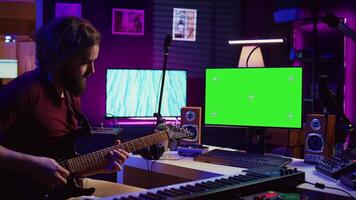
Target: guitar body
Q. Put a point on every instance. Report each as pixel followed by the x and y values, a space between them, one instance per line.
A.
pixel 71 189
pixel 21 186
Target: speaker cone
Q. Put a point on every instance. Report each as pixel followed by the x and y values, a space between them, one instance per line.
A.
pixel 190 116
pixel 193 129
pixel 315 124
pixel 315 143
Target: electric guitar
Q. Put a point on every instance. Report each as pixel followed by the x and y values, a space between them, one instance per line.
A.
pixel 82 163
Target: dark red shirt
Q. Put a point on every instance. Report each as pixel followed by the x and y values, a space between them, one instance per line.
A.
pixel 33 116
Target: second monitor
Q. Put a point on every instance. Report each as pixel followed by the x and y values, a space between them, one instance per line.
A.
pixel 254 97
pixel 135 92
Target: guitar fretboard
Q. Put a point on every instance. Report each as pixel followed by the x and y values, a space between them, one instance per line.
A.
pixel 88 161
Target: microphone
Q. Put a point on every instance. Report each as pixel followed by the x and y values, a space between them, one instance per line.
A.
pixel 167 42
pixel 327 97
pixel 334 22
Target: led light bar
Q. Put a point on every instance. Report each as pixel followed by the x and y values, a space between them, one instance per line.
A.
pixel 256 41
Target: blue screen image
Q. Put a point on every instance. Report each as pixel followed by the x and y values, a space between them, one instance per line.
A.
pixel 135 92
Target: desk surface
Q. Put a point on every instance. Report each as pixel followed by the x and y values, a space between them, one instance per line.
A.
pixel 185 167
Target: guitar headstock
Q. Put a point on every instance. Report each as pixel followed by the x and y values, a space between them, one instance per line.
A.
pixel 175 131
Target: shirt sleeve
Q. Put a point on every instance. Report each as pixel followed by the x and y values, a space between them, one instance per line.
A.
pixel 15 100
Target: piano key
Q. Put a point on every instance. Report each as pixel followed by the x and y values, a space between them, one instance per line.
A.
pixel 148 197
pixel 157 195
pixel 207 186
pixel 222 182
pixel 211 184
pixel 225 181
pixel 257 175
pixel 217 184
pixel 250 177
pixel 188 189
pixel 241 178
pixel 181 192
pixel 167 193
pixel 134 198
pixel 197 188
pixel 173 192
pixel 177 191
pixel 234 180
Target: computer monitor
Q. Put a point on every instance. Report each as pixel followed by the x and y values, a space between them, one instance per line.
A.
pixel 254 97
pixel 8 68
pixel 135 92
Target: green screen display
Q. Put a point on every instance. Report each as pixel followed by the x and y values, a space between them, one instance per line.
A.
pixel 263 97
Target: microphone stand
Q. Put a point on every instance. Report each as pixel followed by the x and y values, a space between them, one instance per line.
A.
pixel 154 152
pixel 330 105
pixel 350 142
pixel 167 44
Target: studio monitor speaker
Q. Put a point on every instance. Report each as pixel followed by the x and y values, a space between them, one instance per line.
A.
pixel 191 120
pixel 319 137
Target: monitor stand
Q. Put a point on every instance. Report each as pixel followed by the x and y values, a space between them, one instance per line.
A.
pixel 255 138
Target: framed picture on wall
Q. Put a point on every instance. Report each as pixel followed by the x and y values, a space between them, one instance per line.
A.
pixel 184 24
pixel 128 21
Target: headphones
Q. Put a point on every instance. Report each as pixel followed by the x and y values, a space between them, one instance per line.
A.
pixel 153 152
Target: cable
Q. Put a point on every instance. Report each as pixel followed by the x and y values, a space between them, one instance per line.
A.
pixel 150 170
pixel 149 173
pixel 322 186
pixel 173 158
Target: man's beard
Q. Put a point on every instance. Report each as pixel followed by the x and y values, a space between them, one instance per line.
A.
pixel 74 86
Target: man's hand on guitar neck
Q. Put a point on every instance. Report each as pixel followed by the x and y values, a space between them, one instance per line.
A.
pixel 115 160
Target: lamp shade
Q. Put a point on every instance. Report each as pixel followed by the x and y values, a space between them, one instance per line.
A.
pixel 255 59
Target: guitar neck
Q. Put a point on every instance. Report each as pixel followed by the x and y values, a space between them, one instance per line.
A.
pixel 88 161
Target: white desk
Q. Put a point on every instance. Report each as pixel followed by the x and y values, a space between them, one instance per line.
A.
pixel 185 169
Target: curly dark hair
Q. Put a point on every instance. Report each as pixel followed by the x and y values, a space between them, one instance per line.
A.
pixel 63 38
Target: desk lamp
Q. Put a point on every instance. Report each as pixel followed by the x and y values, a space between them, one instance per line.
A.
pixel 251 54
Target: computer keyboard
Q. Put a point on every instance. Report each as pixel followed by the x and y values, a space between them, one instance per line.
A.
pixel 242 159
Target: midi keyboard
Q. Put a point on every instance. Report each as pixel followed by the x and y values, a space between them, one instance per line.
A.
pixel 227 186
